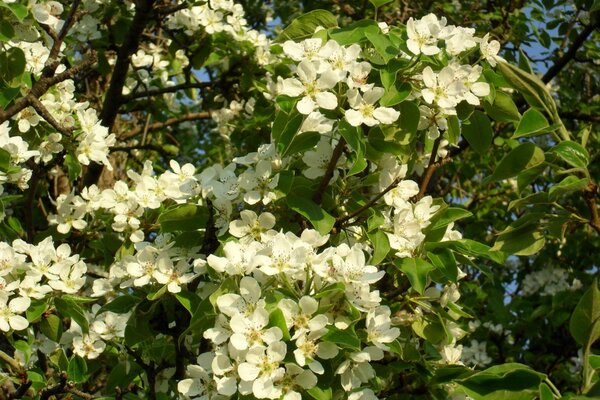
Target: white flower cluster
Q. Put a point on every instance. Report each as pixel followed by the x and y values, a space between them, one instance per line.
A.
pixel 104 327
pixel 216 16
pixel 125 203
pixel 476 354
pixel 158 262
pixel 225 115
pixel 405 220
pixel 18 150
pixel 30 271
pixel 321 68
pixel 256 184
pixel 253 356
pixel 442 90
pixel 548 282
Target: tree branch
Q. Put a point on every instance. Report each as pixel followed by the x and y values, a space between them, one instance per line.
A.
pixel 113 98
pixel 172 9
pixel 171 121
pixel 574 115
pixel 570 54
pixel 43 111
pixel 40 87
pixel 337 153
pixel 590 199
pixel 168 89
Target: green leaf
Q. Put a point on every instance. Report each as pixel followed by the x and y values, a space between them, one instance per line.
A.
pixel 525 156
pixel 396 94
pixel 352 134
pixel 594 361
pixel 35 310
pixel 568 185
pixel 529 175
pixel 77 370
pixel 545 392
pixel 183 217
pixel 188 300
pixel 507 381
pixel 51 326
pixel 384 47
pixel 535 198
pixel 121 374
pixel 469 248
pixel 353 33
pixel 521 239
pixel 6 30
pixel 153 296
pixel 276 318
pixel 320 394
pixel 409 117
pixel 71 309
pixel 379 3
pixel 320 219
pixel 453 131
pixel 73 166
pixel 417 272
pixel 530 86
pixel 572 153
pixel 446 216
pixel 532 122
pixel 288 131
pixel 585 320
pixel 346 339
pixel 304 26
pixel 381 245
pixel 431 330
pixel 12 63
pixel 302 142
pixel 330 290
pixel 120 305
pixel 478 132
pixel 7 95
pixel 19 10
pixel 524 62
pixel 503 109
pixel 445 262
pixel 138 328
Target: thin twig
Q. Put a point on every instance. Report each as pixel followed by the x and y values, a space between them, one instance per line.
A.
pixel 163 90
pixel 59 388
pixel 21 391
pixel 431 167
pixel 341 221
pixel 337 153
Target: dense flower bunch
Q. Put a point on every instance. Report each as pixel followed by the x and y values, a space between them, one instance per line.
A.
pixel 313 265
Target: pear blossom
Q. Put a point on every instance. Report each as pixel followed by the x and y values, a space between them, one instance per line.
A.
pixel 315 90
pixel 423 34
pixel 10 310
pixel 263 368
pixel 379 331
pixel 489 49
pixel 364 111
